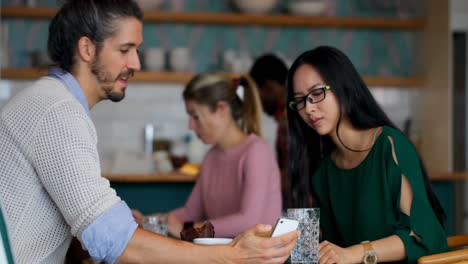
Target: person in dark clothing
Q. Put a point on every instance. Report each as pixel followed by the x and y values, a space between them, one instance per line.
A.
pixel 270 72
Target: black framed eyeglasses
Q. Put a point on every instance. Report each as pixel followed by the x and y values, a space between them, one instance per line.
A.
pixel 317 94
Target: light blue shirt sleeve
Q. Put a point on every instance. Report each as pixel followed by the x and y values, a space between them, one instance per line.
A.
pixel 106 238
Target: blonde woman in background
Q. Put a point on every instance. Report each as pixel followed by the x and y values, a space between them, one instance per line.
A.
pixel 239 184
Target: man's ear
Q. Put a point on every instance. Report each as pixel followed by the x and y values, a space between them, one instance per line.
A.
pixel 86 50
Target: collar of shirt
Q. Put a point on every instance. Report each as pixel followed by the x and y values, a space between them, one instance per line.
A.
pixel 72 85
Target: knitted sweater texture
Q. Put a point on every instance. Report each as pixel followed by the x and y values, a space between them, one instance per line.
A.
pixel 50 180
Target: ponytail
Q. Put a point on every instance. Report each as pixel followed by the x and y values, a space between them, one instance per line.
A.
pixel 241 94
pixel 251 112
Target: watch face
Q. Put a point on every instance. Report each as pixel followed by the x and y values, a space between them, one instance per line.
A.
pixel 370 258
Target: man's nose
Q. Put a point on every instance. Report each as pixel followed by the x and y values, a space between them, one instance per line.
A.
pixel 134 62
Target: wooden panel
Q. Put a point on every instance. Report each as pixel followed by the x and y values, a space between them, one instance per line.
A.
pixel 283 20
pixel 157 177
pixel 449 176
pixel 435 113
pixel 180 177
pixel 394 81
pixel 184 77
pixel 240 19
pixel 27 12
pixel 22 73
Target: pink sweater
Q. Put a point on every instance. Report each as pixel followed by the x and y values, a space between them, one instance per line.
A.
pixel 237 188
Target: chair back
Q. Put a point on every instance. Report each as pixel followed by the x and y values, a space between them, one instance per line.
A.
pixel 458 256
pixel 6 255
pixel 457 241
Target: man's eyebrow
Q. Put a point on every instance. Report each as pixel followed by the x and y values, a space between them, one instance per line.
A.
pixel 130 44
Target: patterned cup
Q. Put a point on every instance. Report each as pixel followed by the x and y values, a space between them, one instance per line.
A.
pixel 306 249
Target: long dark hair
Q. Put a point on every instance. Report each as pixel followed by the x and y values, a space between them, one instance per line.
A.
pixel 94 19
pixel 306 147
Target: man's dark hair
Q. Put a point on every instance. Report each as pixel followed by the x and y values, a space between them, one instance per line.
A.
pixel 94 19
pixel 269 67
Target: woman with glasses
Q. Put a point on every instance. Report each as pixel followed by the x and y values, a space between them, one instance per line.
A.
pixel 239 184
pixel 375 199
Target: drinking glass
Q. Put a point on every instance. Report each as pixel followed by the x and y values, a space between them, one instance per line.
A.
pixel 156 223
pixel 306 249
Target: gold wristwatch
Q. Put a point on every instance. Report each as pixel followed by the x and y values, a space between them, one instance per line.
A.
pixel 370 257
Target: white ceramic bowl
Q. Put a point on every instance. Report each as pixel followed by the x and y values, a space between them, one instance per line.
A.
pixel 149 4
pixel 154 58
pixel 180 59
pixel 308 7
pixel 255 6
pixel 212 241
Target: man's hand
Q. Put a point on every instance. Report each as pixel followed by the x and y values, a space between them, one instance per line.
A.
pixel 253 247
pixel 138 217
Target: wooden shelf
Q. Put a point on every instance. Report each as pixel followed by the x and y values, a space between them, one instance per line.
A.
pixel 146 76
pixel 184 77
pixel 449 176
pixel 394 81
pixel 240 19
pixel 174 177
pixel 22 73
pixel 27 12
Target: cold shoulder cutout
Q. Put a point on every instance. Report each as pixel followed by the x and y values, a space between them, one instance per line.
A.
pixel 363 203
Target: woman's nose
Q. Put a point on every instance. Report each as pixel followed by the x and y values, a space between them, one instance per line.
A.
pixel 310 107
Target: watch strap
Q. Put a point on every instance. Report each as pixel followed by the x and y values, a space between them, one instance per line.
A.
pixel 370 256
pixel 367 245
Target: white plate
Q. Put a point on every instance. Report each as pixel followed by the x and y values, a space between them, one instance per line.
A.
pixel 212 241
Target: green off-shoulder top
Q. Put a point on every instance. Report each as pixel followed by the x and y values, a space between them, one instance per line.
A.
pixel 363 203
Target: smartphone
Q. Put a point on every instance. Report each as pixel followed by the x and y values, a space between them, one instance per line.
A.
pixel 284 225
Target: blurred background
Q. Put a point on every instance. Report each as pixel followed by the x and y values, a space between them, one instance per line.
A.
pixel 411 53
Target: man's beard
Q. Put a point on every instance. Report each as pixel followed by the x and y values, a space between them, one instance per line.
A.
pixel 107 82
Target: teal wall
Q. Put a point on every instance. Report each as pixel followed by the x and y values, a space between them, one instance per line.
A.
pixel 163 197
pixel 153 197
pixel 374 51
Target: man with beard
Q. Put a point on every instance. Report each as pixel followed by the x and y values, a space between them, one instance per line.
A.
pixel 50 184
